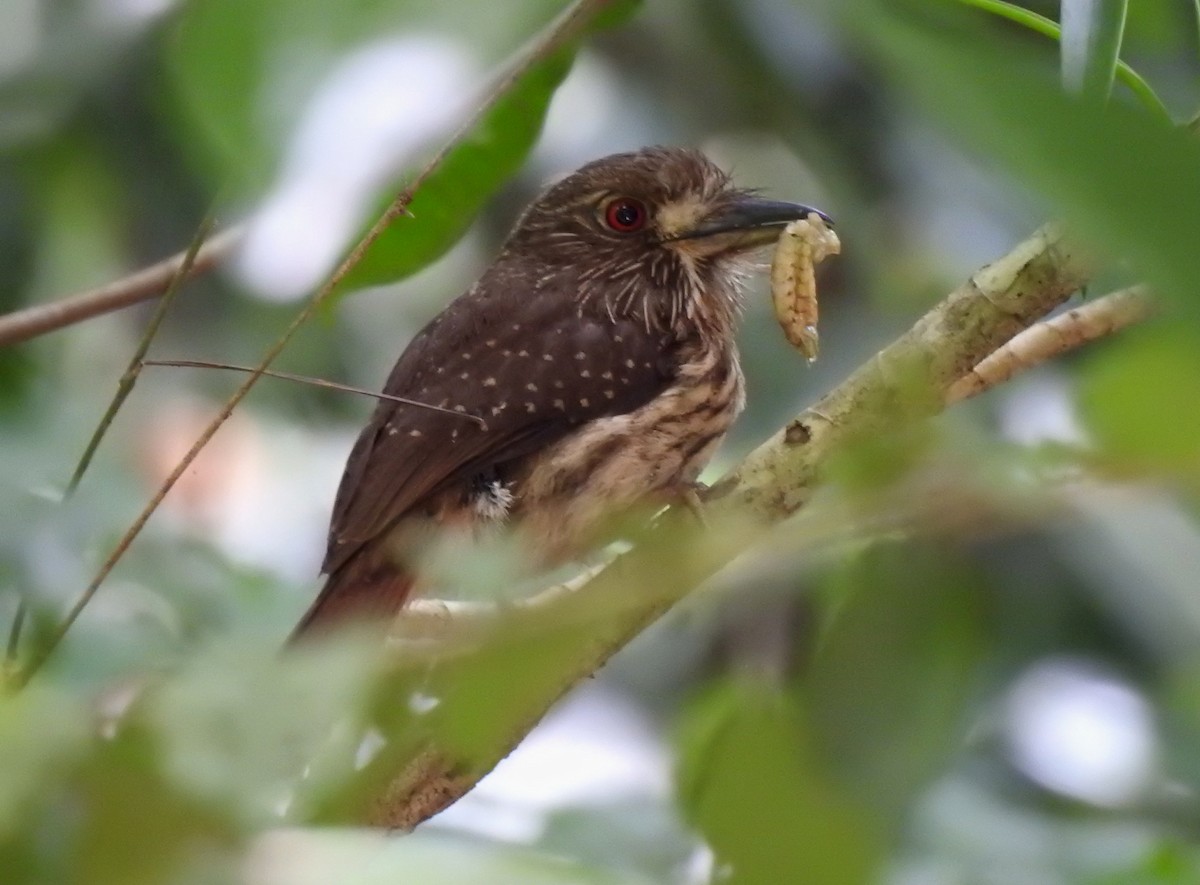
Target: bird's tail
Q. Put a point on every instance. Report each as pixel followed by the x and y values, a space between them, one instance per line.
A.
pixel 358 592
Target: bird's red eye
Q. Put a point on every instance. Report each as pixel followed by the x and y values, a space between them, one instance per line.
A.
pixel 625 215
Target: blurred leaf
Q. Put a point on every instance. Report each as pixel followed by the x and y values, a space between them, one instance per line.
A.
pixel 241 71
pixel 16 267
pixel 98 812
pixel 489 685
pixel 873 463
pixel 1196 7
pixel 238 728
pixel 1140 397
pixel 223 63
pixel 473 705
pixel 1123 181
pixel 134 826
pixel 887 686
pixel 1050 28
pixel 751 784
pixel 43 738
pixel 448 201
pixel 305 857
pixel 634 833
pixel 236 63
pixel 1091 44
pixel 1171 863
pixel 179 782
pixel 82 208
pixel 1161 26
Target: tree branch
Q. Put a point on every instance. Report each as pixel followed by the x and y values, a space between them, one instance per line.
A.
pixel 142 285
pixel 1054 337
pixel 905 383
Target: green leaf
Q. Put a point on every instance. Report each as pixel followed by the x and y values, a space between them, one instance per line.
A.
pixel 1091 44
pixel 133 826
pixel 886 689
pixel 74 808
pixel 428 857
pixel 230 732
pixel 750 783
pixel 43 736
pixel 1140 397
pixel 240 70
pixel 471 705
pixel 1170 862
pixel 226 67
pixel 1049 28
pixel 1196 6
pixel 448 201
pixel 1125 182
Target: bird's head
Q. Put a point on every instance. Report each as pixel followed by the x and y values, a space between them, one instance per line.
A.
pixel 660 233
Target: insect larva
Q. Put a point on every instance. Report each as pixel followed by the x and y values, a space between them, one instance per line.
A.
pixel 802 245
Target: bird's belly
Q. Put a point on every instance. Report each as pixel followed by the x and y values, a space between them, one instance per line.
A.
pixel 568 493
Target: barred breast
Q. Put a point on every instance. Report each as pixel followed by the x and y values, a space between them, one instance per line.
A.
pixel 566 493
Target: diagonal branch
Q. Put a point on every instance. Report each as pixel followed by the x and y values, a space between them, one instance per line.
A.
pixel 448 621
pixel 908 380
pixel 315 382
pixel 132 370
pixel 1054 337
pixel 142 285
pixel 903 384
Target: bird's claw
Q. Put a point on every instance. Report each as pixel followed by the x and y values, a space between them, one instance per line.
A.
pixel 689 497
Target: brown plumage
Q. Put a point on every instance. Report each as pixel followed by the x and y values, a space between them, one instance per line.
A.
pixel 598 350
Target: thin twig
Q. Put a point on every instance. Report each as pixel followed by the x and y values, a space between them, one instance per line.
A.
pixel 142 285
pixel 129 377
pixel 562 30
pixel 124 388
pixel 1054 337
pixel 315 382
pixel 14 639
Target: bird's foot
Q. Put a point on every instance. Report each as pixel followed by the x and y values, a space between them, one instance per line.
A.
pixel 689 497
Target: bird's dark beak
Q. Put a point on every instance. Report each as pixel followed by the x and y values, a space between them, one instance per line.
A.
pixel 749 222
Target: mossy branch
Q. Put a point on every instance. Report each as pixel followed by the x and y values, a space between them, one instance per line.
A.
pixel 905 383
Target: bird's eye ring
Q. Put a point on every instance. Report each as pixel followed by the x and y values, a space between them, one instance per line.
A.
pixel 625 215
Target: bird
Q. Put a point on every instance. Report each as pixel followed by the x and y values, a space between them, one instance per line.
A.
pixel 592 368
